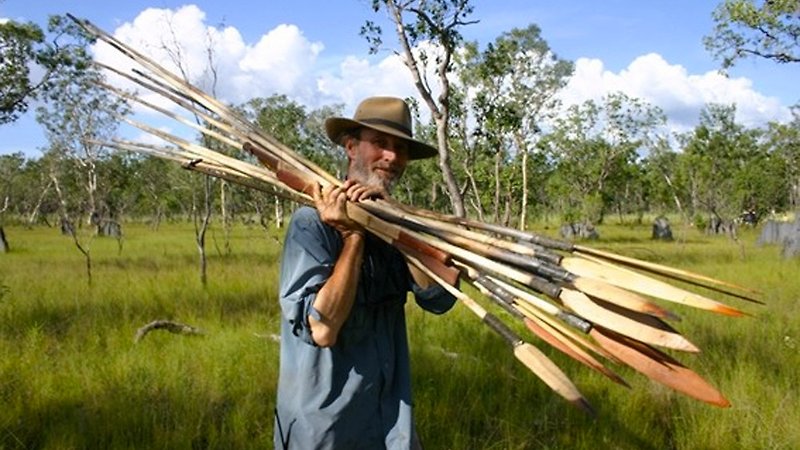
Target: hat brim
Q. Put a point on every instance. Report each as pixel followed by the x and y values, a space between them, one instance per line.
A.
pixel 336 127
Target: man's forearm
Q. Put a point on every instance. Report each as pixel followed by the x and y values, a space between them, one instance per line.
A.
pixel 335 300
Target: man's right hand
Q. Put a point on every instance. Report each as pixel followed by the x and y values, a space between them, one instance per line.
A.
pixel 331 202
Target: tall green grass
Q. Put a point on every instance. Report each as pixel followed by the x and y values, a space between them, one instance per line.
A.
pixel 72 377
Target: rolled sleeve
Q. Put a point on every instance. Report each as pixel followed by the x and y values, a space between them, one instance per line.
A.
pixel 434 299
pixel 296 312
pixel 308 257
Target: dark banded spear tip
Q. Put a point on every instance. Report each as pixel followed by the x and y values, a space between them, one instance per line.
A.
pixel 584 405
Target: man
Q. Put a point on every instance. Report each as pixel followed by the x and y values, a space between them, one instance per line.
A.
pixel 344 375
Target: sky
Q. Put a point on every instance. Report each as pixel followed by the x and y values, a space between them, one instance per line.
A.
pixel 311 51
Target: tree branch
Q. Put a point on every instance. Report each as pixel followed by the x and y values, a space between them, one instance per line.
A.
pixel 172 327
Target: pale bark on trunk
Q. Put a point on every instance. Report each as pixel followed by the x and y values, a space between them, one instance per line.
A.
pixel 201 227
pixel 496 213
pixel 226 220
pixel 523 213
pixel 476 202
pixel 675 196
pixel 439 111
pixel 91 190
pixel 35 212
pixel 278 213
pixel 65 218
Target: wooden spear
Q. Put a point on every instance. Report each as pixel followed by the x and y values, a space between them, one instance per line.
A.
pixel 641 357
pixel 536 361
pixel 547 242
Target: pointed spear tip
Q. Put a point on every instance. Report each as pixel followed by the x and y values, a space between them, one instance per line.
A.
pixel 722 402
pixel 618 379
pixel 657 311
pixel 584 405
pixel 686 345
pixel 730 311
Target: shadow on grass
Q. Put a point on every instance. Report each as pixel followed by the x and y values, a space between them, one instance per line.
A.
pixel 505 406
pixel 126 415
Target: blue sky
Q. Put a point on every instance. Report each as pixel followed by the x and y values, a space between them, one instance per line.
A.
pixel 310 50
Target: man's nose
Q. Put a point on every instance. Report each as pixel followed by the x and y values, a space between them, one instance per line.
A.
pixel 390 154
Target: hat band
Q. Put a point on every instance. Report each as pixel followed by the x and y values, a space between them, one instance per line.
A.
pixel 388 123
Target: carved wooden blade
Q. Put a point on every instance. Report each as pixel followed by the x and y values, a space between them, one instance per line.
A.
pixel 659 366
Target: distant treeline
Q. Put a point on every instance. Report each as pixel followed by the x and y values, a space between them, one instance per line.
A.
pixel 579 169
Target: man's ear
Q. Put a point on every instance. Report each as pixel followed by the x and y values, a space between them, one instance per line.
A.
pixel 350 144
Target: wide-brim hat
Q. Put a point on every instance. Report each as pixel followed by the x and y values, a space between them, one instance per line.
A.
pixel 389 115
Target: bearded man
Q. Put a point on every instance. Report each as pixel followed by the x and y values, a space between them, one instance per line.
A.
pixel 345 371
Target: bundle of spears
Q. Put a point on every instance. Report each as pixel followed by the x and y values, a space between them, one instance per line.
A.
pixel 585 302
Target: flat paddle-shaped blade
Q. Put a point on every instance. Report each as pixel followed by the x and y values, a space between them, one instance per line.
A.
pixel 623 323
pixel 685 275
pixel 659 366
pixel 561 343
pixel 547 371
pixel 643 284
pixel 613 293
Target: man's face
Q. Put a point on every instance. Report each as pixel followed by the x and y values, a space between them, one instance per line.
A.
pixel 376 158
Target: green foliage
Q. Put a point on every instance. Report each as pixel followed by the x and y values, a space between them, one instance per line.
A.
pixel 783 141
pixel 594 150
pixel 438 23
pixel 726 169
pixel 699 221
pixel 17 42
pixel 301 130
pixel 23 45
pixel 512 83
pixel 752 28
pixel 592 207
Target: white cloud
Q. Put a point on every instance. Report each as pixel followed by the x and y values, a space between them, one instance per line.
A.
pixel 281 61
pixel 669 86
pixel 358 78
pixel 284 61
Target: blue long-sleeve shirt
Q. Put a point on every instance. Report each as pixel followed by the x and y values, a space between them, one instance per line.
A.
pixel 357 393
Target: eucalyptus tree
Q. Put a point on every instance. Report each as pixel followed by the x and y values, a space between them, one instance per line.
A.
pixel 288 121
pixel 317 147
pixel 592 147
pixel 35 201
pixel 422 183
pixel 428 32
pixel 30 60
pixel 17 51
pixel 718 154
pixel 767 29
pixel 78 114
pixel 512 87
pixel 783 141
pixel 174 50
pixel 159 188
pixel 665 182
pixel 24 187
pixel 10 169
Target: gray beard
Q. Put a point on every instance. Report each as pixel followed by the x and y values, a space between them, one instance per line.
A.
pixel 361 173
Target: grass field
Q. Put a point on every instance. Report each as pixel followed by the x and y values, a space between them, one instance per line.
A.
pixel 71 375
